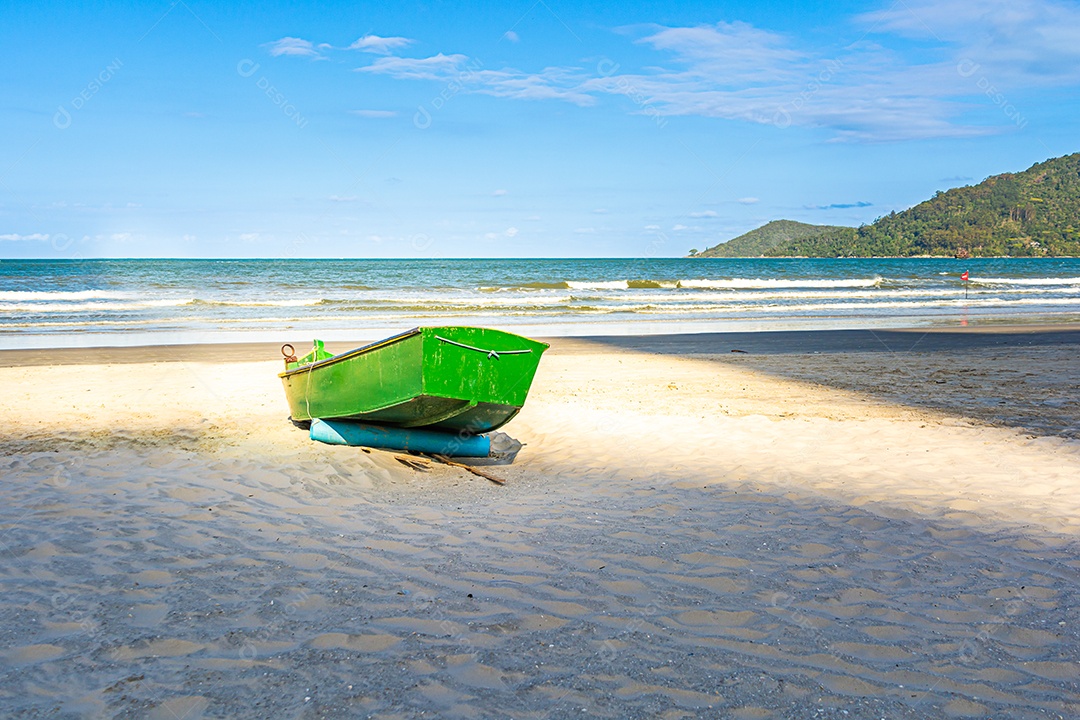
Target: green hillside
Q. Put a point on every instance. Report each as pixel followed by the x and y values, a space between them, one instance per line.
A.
pixel 1034 213
pixel 776 234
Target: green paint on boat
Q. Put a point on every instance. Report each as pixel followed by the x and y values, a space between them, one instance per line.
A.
pixel 461 379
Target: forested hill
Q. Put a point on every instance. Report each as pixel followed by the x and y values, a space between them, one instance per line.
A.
pixel 778 233
pixel 1033 213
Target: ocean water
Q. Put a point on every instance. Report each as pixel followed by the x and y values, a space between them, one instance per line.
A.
pixel 45 303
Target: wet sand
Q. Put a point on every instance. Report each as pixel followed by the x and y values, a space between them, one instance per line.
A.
pixel 691 344
pixel 817 530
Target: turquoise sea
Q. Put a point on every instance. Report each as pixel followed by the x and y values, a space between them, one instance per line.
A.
pixel 47 303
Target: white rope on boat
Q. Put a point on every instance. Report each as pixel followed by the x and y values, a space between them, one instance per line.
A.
pixel 490 353
pixel 307 394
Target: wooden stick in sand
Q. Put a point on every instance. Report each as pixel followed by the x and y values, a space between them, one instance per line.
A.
pixel 412 463
pixel 421 465
pixel 447 461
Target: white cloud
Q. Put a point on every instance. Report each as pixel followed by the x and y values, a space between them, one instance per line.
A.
pixel 511 232
pixel 600 211
pixel 499 193
pixel 730 71
pixel 374 113
pixel 511 36
pixel 748 200
pixel 737 72
pixel 380 45
pixel 840 206
pixel 652 227
pixel 879 88
pixel 551 83
pixel 1015 42
pixel 299 47
pixel 677 228
pixel 436 67
pixel 342 198
pixel 1055 23
pixel 15 237
pixel 585 231
pixel 704 214
pixel 729 52
pixel 249 237
pixel 292 46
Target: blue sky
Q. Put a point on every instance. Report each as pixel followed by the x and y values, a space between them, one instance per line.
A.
pixel 531 129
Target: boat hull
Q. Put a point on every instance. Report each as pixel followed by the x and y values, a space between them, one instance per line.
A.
pixel 461 379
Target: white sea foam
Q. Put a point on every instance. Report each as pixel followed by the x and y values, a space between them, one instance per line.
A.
pixel 726 283
pixel 171 297
pixel 600 285
pixel 757 296
pixel 756 283
pixel 54 295
pixel 751 296
pixel 1026 281
pixel 72 307
pixel 257 303
pixel 954 302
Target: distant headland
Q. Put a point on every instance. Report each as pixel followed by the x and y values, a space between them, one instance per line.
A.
pixel 1034 213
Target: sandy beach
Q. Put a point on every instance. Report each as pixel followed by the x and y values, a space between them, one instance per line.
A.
pixel 845 524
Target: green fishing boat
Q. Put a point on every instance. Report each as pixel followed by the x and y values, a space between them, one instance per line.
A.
pixel 459 379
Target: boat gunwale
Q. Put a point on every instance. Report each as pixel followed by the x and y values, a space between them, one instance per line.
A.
pixel 375 346
pixel 353 353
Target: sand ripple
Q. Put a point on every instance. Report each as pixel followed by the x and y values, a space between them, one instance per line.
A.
pixel 680 538
pixel 746 604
